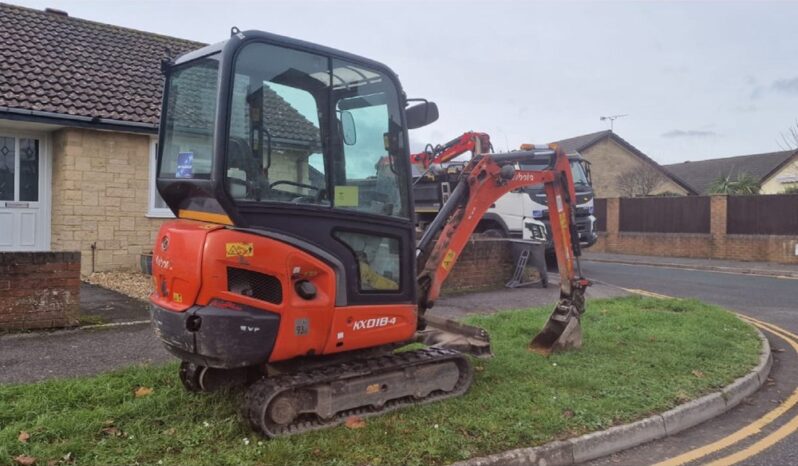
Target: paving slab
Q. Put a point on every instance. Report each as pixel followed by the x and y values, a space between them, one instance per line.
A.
pixel 489 302
pixel 109 306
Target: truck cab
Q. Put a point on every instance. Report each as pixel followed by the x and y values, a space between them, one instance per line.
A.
pixel 533 200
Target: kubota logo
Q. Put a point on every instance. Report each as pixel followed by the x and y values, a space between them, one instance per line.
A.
pixel 374 323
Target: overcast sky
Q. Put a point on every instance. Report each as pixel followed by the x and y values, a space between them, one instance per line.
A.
pixel 698 80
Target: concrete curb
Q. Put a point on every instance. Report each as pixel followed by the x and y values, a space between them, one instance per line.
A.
pixel 710 268
pixel 55 332
pixel 598 444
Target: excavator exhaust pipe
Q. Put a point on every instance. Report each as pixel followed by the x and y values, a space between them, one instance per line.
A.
pixel 562 332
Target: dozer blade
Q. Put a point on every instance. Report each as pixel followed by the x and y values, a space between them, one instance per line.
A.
pixel 447 333
pixel 563 331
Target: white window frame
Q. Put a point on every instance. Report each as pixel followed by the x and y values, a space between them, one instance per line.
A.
pixel 152 211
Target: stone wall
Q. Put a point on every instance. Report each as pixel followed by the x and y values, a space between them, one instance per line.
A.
pixel 101 196
pixel 717 244
pixel 39 289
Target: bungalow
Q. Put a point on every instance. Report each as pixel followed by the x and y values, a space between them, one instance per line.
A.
pixel 619 169
pixel 79 111
pixel 776 172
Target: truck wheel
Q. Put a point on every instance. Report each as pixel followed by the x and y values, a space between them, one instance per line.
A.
pixel 492 233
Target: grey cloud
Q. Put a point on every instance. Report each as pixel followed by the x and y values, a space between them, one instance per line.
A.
pixel 789 86
pixel 746 108
pixel 675 69
pixel 690 133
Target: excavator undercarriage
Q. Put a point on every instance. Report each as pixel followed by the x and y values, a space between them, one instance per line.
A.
pixel 297 402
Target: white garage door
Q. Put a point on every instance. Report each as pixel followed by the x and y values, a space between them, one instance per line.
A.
pixel 24 193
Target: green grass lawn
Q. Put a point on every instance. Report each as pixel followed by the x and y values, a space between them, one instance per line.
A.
pixel 640 356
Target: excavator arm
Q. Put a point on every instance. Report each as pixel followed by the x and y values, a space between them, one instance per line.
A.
pixel 485 179
pixel 471 141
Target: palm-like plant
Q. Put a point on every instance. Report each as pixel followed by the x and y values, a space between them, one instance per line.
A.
pixel 745 183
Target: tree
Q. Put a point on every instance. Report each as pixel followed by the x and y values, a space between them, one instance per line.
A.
pixel 789 138
pixel 745 183
pixel 639 181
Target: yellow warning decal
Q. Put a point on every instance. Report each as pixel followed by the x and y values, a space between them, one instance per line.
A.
pixel 239 249
pixel 346 196
pixel 177 297
pixel 448 260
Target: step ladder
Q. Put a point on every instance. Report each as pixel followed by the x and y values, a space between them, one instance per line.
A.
pixel 518 275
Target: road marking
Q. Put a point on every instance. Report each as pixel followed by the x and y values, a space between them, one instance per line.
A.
pixel 754 427
pixel 649 294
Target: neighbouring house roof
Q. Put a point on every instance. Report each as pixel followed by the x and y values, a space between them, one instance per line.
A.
pixel 578 143
pixel 54 65
pixel 702 173
pixel 585 141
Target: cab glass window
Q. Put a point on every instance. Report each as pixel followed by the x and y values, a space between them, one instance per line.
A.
pixel 377 260
pixel 370 176
pixel 274 147
pixel 189 116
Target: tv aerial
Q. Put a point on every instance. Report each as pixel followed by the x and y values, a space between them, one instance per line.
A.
pixel 612 119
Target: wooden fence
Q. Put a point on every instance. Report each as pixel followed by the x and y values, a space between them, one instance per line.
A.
pixel 690 214
pixel 600 212
pixel 775 214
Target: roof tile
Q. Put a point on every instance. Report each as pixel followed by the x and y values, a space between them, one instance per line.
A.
pixel 702 173
pixel 78 67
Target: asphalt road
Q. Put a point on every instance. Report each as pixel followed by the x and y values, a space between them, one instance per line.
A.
pixel 773 300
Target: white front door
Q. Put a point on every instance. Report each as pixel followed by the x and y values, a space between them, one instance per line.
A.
pixel 24 192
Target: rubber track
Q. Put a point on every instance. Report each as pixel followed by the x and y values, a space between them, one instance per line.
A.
pixel 260 394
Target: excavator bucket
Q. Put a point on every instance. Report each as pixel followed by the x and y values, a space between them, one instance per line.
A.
pixel 446 333
pixel 563 330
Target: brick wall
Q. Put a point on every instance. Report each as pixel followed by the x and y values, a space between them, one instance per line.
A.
pixel 717 244
pixel 39 289
pixel 483 264
pixel 101 195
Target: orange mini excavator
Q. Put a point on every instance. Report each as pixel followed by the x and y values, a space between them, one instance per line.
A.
pixel 293 266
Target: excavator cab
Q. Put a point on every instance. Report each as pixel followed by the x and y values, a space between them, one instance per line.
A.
pixel 268 133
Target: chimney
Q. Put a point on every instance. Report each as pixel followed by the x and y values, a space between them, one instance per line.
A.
pixel 56 12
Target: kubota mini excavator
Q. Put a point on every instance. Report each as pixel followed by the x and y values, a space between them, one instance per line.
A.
pixel 293 265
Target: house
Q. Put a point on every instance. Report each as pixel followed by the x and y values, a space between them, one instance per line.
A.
pixel 79 112
pixel 612 160
pixel 775 171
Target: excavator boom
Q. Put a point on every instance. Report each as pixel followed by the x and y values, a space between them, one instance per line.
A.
pixel 485 179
